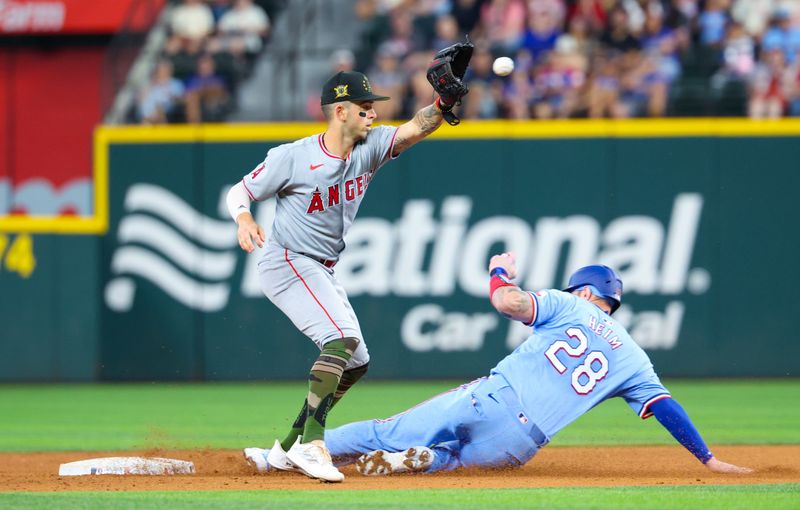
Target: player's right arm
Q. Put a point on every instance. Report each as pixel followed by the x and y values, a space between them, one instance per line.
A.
pixel 238 201
pixel 507 298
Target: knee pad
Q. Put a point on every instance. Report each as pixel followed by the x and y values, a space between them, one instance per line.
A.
pixel 343 346
pixel 350 343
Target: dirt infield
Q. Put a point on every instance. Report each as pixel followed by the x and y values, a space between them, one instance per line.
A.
pixel 552 467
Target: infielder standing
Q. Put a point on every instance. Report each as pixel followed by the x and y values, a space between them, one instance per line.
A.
pixel 576 358
pixel 319 183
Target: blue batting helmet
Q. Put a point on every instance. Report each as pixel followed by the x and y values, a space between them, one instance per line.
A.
pixel 603 278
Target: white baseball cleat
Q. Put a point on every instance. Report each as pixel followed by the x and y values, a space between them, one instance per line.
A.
pixel 381 462
pixel 257 457
pixel 277 459
pixel 314 460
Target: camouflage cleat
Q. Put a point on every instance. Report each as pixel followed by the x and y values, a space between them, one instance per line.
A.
pixel 381 462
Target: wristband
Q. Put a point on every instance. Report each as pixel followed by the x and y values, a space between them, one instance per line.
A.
pixel 239 211
pixel 497 281
pixel 440 106
pixel 498 271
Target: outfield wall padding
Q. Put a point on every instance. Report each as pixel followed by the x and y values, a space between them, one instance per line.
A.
pixel 702 228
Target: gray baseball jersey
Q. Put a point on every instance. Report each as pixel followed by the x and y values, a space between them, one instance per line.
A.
pixel 318 194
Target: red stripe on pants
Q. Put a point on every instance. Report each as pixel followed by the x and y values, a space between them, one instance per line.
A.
pixel 286 256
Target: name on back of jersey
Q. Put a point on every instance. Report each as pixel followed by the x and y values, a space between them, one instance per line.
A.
pixel 604 330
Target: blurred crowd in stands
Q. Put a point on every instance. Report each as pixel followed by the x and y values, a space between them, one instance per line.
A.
pixel 591 58
pixel 211 47
pixel 573 58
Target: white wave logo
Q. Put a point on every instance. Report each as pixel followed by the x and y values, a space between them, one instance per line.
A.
pixel 160 247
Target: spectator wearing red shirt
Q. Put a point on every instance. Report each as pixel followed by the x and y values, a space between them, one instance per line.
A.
pixel 772 86
pixel 590 10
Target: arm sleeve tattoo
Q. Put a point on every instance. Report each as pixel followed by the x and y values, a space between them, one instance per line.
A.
pixel 426 121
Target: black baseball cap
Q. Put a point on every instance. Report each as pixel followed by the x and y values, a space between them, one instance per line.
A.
pixel 348 86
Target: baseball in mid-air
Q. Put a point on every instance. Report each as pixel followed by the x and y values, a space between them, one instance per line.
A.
pixel 503 66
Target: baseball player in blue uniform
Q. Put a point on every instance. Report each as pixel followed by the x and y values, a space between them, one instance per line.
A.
pixel 319 183
pixel 576 357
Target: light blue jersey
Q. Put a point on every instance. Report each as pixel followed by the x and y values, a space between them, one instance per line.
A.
pixel 577 357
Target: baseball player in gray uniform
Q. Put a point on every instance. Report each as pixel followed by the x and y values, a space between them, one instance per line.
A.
pixel 319 183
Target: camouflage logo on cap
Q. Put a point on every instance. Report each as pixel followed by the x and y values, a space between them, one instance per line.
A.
pixel 340 91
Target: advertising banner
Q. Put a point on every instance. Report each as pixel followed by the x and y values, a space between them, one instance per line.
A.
pixel 684 219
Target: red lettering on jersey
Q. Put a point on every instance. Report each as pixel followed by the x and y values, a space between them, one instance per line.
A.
pixel 316 202
pixel 360 184
pixel 257 171
pixel 349 192
pixel 333 195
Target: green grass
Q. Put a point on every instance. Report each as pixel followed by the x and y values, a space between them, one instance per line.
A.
pixel 130 416
pixel 736 497
pixel 127 416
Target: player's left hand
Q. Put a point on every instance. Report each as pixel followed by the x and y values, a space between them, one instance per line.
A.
pixel 446 73
pixel 507 261
pixel 718 466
